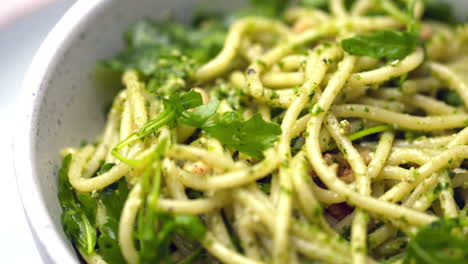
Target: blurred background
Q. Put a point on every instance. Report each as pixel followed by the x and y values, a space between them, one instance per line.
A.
pixel 23 26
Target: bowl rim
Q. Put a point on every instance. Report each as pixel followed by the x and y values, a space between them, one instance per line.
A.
pixel 47 238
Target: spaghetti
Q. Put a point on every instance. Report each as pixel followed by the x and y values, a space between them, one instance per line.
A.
pixel 366 144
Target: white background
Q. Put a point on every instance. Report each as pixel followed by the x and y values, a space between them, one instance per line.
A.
pixel 18 43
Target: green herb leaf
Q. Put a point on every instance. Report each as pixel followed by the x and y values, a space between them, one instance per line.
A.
pixel 77 218
pixel 185 102
pixel 450 97
pixel 440 242
pixel 88 205
pixel 200 115
pixel 109 247
pixel 389 44
pixel 79 230
pixel 250 137
pixel 363 133
pixel 174 108
pixel 265 187
pixel 113 198
pixel 188 226
pixel 167 53
pixel 105 168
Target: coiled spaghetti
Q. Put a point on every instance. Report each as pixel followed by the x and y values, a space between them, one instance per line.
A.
pixel 321 180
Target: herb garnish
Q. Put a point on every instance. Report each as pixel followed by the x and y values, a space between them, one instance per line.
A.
pixel 388 44
pixel 250 137
pixel 78 215
pixel 441 242
pixel 113 198
pixel 174 113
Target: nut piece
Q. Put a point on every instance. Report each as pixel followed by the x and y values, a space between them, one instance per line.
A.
pixel 198 167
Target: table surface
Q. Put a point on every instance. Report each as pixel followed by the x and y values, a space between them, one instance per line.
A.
pixel 18 43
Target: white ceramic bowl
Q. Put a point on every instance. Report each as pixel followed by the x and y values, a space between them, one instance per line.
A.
pixel 62 105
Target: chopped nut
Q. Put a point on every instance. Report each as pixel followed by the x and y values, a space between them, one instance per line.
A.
pixel 197 167
pixel 366 155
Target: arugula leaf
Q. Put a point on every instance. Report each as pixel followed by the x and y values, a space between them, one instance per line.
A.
pixel 168 225
pixel 108 243
pixel 79 230
pixel 440 242
pixel 77 218
pixel 156 229
pixel 113 198
pixel 174 107
pixel 147 218
pixel 322 4
pixel 88 205
pixel 363 133
pixel 389 44
pixel 250 137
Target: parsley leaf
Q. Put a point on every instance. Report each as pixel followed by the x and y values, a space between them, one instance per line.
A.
pixel 77 213
pixel 389 44
pixel 250 137
pixel 440 242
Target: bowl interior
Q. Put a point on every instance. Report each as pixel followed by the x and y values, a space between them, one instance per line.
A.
pixel 65 104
